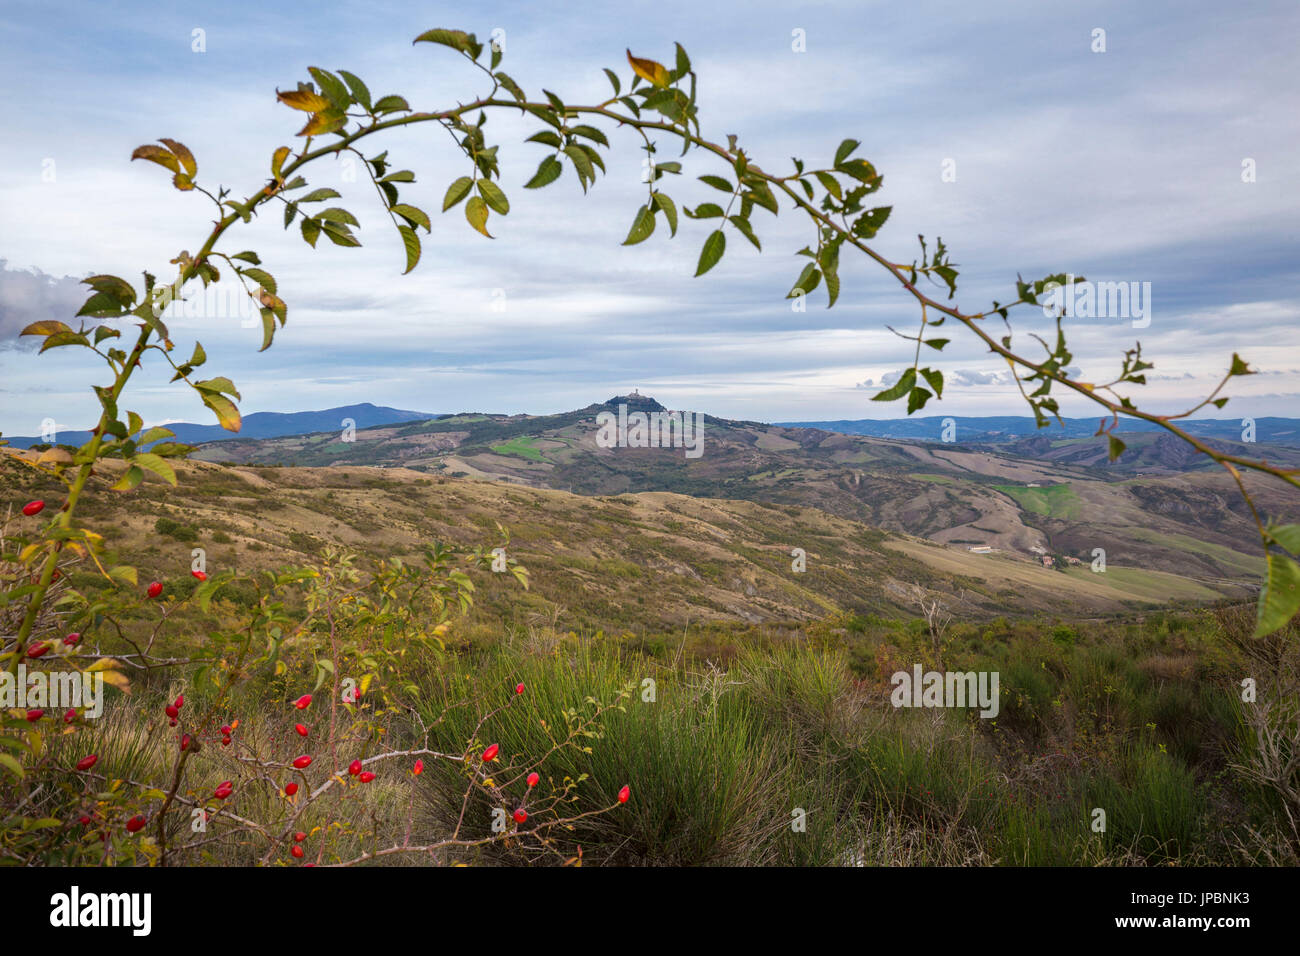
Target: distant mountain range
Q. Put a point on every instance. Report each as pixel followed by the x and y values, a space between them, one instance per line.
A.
pixel 260 425
pixel 1160 508
pixel 994 429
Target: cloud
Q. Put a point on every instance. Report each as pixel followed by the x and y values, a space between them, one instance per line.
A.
pixel 30 295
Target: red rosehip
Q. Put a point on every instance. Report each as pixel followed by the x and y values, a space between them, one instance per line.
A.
pixel 299 837
pixel 201 575
pixel 69 715
pixel 533 778
pixel 296 850
pixel 301 729
pixel 354 767
pixel 225 741
pixel 223 791
pixel 37 649
pixel 491 753
pixel 624 794
pixel 419 768
pixel 171 711
pixel 84 820
pixel 519 688
pixel 33 508
pixel 227 730
pixel 155 589
pixel 303 762
pixel 179 702
pixel 135 824
pixel 521 815
pixel 86 762
pixel 290 789
pixel 35 715
pixel 71 639
pixel 185 741
pixel 366 777
pixel 303 702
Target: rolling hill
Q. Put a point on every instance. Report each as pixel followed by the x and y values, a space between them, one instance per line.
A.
pixel 1017 502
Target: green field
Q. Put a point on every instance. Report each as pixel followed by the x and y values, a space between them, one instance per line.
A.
pixel 1056 501
pixel 522 446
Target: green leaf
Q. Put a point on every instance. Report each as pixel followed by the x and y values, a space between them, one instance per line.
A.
pixel 614 81
pixel 591 133
pixel 746 230
pixel 456 192
pixel 546 137
pixel 268 328
pixel 669 208
pixel 335 214
pixel 934 379
pixel 1286 535
pixel 310 231
pixel 937 344
pixel 547 172
pixel 642 226
pixel 581 163
pixel 714 246
pixel 261 278
pixel 476 213
pixel 391 104
pixel 898 389
pixel 1280 598
pixel 513 87
pixel 130 479
pixel 1115 447
pixel 456 39
pixel 338 234
pixel 332 87
pixel 705 210
pixel 413 214
pixel 916 399
pixel 157 465
pixel 846 150
pixel 493 196
pixel 412 243
pixel 717 182
pixel 806 282
pixel 359 91
pixel 1239 366
pixel 316 195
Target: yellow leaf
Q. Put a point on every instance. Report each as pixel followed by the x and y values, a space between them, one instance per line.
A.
pixel 57 455
pixel 156 154
pixel 304 100
pixel 183 154
pixel 649 70
pixel 277 160
pixel 118 680
pixel 45 327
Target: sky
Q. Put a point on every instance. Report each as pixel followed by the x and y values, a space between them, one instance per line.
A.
pixel 1169 158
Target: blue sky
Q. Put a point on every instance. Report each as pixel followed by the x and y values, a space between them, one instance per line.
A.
pixel 1122 166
